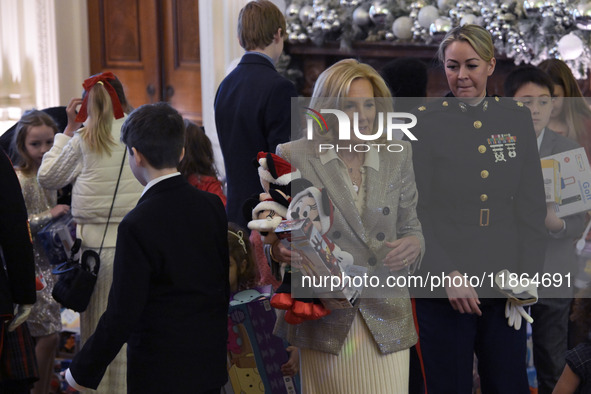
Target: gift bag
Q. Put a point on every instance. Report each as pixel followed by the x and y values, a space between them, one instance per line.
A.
pixel 77 277
pixel 57 237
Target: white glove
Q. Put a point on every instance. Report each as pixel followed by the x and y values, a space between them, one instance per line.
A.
pixel 514 312
pixel 21 314
pixel 523 294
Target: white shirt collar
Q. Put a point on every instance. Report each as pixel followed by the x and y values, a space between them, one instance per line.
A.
pixel 159 179
pixel 540 138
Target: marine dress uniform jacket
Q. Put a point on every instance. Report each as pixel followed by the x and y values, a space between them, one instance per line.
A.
pixel 252 114
pixel 481 193
pixel 389 214
pixel 169 298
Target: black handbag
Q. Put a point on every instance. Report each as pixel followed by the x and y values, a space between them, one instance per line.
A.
pixel 77 277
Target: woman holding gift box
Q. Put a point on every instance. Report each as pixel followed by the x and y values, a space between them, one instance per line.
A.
pixel 482 207
pixel 363 349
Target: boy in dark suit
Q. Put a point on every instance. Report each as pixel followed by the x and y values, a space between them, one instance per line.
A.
pixel 170 292
pixel 253 103
pixel 534 88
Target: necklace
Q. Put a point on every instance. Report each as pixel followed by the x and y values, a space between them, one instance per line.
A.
pixel 354 170
pixel 355 179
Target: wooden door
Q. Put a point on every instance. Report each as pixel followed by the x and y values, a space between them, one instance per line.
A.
pixel 181 60
pixel 153 47
pixel 124 39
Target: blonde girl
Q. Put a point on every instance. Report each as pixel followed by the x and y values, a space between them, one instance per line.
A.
pixel 90 158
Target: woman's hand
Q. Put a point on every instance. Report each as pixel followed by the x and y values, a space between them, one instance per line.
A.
pixel 463 299
pixel 72 112
pixel 282 254
pixel 59 210
pixel 405 252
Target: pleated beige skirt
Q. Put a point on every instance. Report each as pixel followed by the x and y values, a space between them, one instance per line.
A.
pixel 360 368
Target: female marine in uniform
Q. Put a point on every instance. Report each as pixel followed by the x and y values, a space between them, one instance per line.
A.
pixel 482 208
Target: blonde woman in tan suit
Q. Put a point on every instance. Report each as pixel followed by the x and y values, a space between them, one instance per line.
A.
pixel 363 349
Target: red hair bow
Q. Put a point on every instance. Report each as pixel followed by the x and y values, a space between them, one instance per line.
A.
pixel 104 78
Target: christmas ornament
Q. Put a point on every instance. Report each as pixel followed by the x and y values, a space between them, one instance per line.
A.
pixel 402 28
pixel 427 15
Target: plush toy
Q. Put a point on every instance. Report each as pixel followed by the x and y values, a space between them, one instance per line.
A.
pixel 278 179
pixel 266 212
pixel 314 204
pixel 276 173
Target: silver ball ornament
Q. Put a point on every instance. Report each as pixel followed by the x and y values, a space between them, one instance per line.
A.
pixel 417 4
pixel 303 38
pixel 321 10
pixel 445 5
pixel 582 16
pixel 468 19
pixel 402 28
pixel 427 15
pixel 361 16
pixel 307 14
pixel 440 27
pixel 293 38
pixel 389 36
pixel 336 25
pixel 292 11
pixel 533 8
pixel 570 46
pixel 378 13
pixel 349 3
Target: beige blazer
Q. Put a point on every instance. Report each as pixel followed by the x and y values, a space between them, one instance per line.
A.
pixel 390 214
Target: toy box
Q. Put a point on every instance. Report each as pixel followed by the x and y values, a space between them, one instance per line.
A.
pixel 575 182
pixel 552 181
pixel 255 355
pixel 320 262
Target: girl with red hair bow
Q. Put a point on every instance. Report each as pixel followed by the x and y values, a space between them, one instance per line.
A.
pixel 89 156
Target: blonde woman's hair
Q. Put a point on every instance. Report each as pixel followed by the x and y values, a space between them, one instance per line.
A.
pixel 477 36
pixel 333 85
pixel 97 133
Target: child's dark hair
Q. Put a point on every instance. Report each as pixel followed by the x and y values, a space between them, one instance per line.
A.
pixel 527 74
pixel 582 309
pixel 157 131
pixel 198 157
pixel 29 119
pixel 241 250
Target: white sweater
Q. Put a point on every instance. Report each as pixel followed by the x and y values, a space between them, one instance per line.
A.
pixel 94 177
